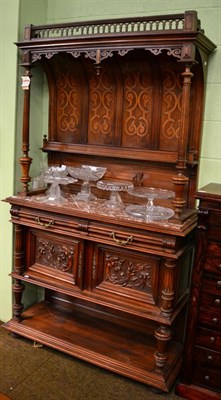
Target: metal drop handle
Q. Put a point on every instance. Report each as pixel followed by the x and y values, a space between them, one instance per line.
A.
pixel 121 242
pixel 37 219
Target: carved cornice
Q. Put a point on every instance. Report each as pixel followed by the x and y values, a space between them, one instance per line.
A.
pixel 99 55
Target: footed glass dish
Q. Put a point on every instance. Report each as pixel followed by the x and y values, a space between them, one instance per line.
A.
pixel 56 176
pixel 150 212
pixel 86 173
pixel 115 187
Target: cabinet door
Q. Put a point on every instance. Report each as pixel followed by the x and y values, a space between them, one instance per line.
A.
pixel 125 277
pixel 54 258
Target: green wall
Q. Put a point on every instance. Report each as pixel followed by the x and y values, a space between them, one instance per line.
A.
pixel 14 15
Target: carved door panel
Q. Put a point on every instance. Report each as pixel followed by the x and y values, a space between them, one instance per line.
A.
pixel 54 258
pixel 126 276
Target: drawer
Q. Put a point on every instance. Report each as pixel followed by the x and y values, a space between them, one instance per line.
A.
pixel 209 339
pixel 209 378
pixel 52 221
pixel 207 357
pixel 108 233
pixel 210 318
pixel 211 301
pixel 214 231
pixel 213 265
pixel 213 249
pixel 212 285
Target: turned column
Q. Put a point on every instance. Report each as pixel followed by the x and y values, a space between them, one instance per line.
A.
pixel 25 160
pixel 163 336
pixel 18 268
pixel 168 289
pixel 163 333
pixel 180 179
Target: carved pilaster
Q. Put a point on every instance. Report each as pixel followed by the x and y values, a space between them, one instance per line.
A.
pixel 168 289
pixel 163 335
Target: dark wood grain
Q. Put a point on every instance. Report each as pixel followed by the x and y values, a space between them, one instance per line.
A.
pixel 127 95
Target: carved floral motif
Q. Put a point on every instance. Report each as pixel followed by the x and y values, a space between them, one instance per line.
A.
pixel 54 255
pixel 128 273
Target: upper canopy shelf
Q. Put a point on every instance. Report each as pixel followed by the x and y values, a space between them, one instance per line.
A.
pixel 178 34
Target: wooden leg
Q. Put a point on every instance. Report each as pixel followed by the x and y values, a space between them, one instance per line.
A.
pixel 163 335
pixel 18 289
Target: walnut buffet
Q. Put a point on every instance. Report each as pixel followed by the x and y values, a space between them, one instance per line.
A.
pixel 126 95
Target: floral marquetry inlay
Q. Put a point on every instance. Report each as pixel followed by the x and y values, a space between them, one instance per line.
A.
pixel 128 273
pixel 54 255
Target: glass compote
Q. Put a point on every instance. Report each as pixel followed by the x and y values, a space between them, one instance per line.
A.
pixel 87 173
pixel 115 187
pixel 56 176
pixel 149 211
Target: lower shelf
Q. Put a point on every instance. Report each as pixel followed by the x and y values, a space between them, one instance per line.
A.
pixel 100 342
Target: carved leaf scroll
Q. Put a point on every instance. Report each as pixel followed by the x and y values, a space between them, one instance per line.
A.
pixel 56 256
pixel 128 273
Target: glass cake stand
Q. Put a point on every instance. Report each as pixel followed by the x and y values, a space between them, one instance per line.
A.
pixel 87 173
pixel 149 211
pixel 56 176
pixel 115 187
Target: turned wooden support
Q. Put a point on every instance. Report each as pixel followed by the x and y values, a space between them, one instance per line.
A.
pixel 163 336
pixel 180 180
pixel 25 160
pixel 168 289
pixel 19 251
pixel 18 289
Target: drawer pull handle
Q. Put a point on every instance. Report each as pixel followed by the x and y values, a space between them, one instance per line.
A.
pixel 206 378
pixel 217 302
pixel 121 242
pixel 215 320
pixel 37 219
pixel 212 339
pixel 209 358
pixel 218 284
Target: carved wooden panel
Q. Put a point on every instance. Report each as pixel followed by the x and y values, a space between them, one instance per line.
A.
pixel 68 102
pixel 56 257
pixel 124 273
pixel 133 102
pixel 171 106
pixel 138 86
pixel 102 105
